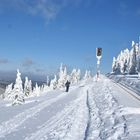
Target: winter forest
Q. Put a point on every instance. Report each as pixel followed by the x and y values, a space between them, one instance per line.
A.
pixel 128 61
pixel 17 92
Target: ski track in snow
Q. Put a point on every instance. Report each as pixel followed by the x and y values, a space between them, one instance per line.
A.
pixel 106 121
pixel 93 115
pixel 69 124
pixel 11 125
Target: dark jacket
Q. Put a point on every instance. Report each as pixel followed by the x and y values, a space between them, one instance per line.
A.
pixel 67 84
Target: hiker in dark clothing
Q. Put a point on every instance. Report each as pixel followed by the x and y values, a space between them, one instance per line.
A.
pixel 67 86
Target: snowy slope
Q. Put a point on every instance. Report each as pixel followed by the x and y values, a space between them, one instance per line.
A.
pixel 91 110
pixel 129 81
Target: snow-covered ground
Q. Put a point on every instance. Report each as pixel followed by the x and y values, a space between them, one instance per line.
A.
pixel 130 81
pixel 93 110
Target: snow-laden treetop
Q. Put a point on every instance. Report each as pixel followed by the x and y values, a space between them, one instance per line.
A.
pixel 128 61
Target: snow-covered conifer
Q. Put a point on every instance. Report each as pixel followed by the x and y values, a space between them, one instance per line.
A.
pixel 36 90
pixel 62 77
pixel 133 62
pixel 53 83
pixel 114 64
pixel 127 61
pixel 26 87
pixel 8 92
pixel 30 86
pixel 73 76
pixel 138 61
pixel 87 75
pixel 18 95
pixel 78 75
pixel 65 75
pixel 48 81
pixel 46 88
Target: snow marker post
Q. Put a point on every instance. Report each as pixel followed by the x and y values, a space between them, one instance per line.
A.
pixel 98 56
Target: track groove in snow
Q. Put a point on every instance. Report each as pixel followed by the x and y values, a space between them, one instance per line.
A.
pixel 11 125
pixel 88 122
pixel 106 121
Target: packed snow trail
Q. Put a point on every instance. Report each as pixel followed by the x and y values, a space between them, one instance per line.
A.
pixel 95 115
pixel 18 126
pixel 106 121
pixel 15 122
pixel 92 110
pixel 69 124
pixel 130 108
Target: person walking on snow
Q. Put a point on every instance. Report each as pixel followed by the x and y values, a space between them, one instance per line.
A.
pixel 67 84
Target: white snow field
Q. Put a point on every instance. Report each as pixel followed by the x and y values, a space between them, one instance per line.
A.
pixel 92 110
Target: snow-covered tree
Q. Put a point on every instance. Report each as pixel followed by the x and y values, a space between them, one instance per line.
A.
pixel 48 81
pixel 27 87
pixel 133 62
pixel 62 77
pixel 30 86
pixel 138 60
pixel 42 88
pixel 127 61
pixel 53 83
pixel 78 75
pixel 120 65
pixel 46 88
pixel 8 92
pixel 18 95
pixel 114 64
pixel 126 55
pixel 73 76
pixel 36 90
pixel 65 75
pixel 87 75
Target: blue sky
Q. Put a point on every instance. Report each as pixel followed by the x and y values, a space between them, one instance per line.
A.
pixel 37 35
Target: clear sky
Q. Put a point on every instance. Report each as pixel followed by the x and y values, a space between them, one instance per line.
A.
pixel 37 35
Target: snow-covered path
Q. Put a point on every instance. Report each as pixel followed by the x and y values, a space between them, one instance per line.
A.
pixel 97 110
pixel 106 121
pixel 68 124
